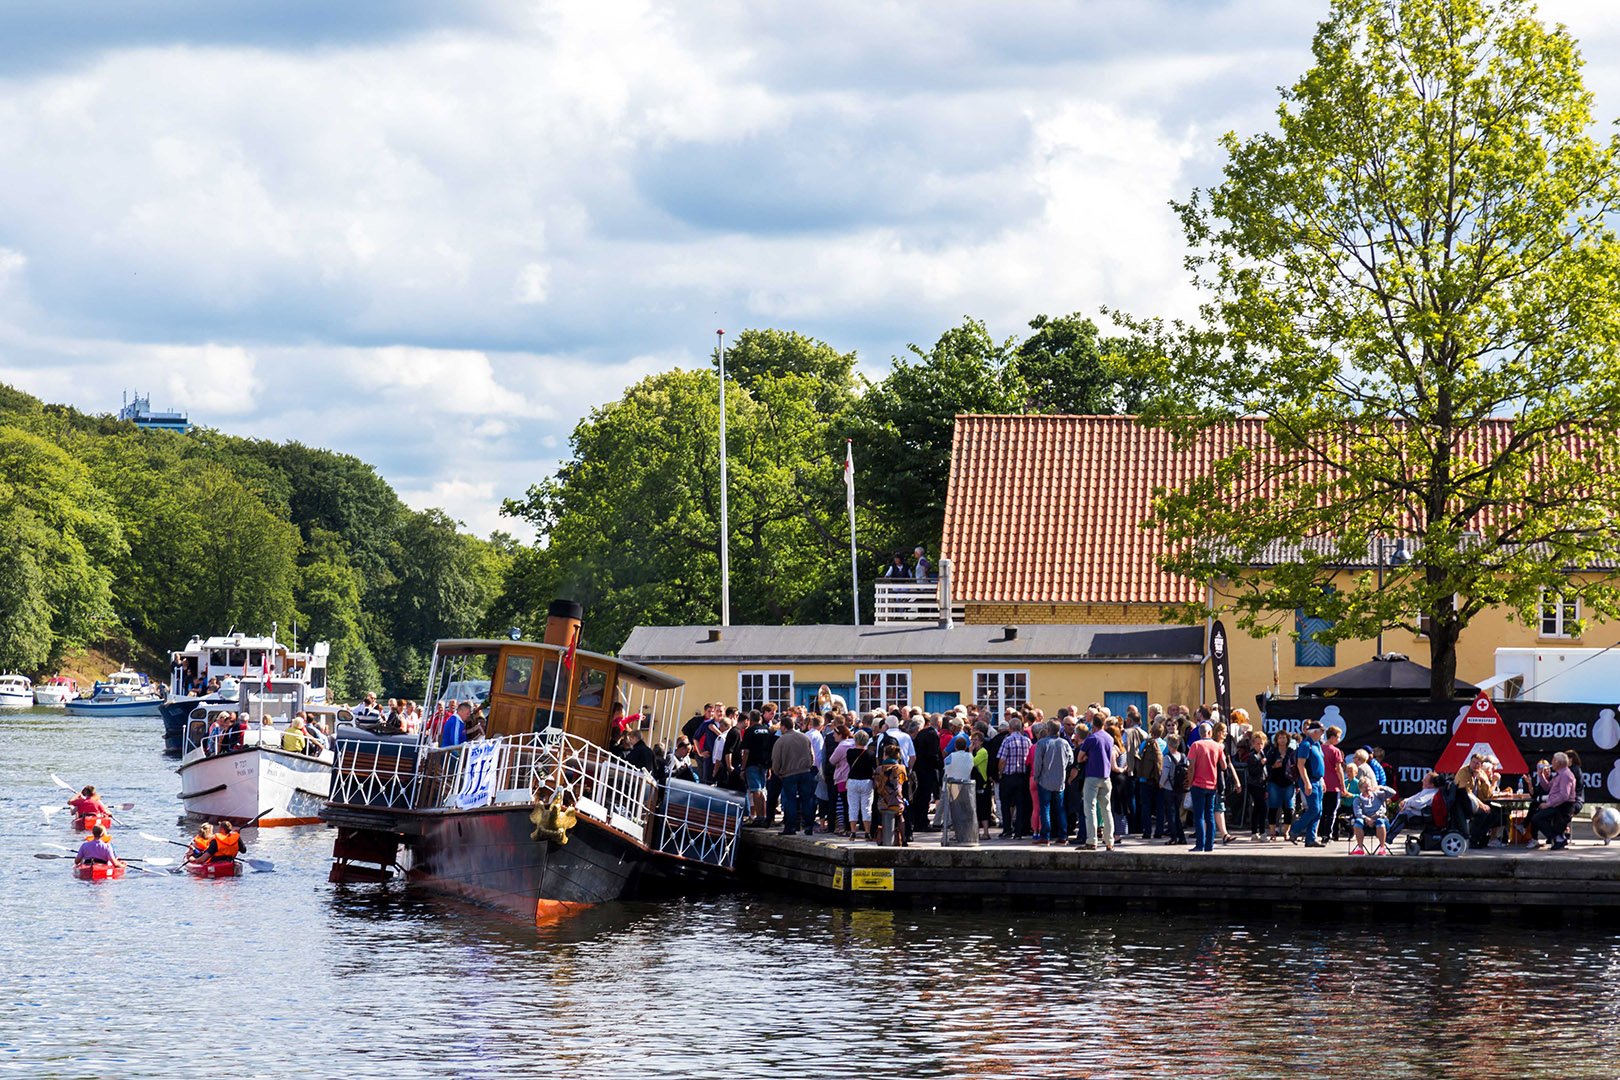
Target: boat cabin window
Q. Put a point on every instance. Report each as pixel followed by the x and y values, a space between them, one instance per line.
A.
pixel 255 658
pixel 548 681
pixel 519 673
pixel 592 685
pixel 217 657
pixel 317 678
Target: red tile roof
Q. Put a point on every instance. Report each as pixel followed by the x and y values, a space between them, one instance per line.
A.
pixel 1047 509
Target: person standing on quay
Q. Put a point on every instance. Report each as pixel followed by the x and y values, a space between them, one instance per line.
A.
pixel 1206 768
pixel 1333 789
pixel 793 763
pixel 1310 767
pixel 1013 756
pixel 1097 755
pixel 1053 756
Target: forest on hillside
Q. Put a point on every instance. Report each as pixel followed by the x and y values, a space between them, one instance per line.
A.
pixel 108 532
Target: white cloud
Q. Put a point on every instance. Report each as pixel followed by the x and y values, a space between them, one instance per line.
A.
pixel 220 379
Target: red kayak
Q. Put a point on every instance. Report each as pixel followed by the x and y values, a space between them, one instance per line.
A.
pixel 97 871
pixel 85 823
pixel 216 868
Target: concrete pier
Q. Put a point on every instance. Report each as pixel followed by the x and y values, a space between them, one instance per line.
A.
pixel 1243 875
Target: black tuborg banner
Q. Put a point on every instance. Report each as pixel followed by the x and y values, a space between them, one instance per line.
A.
pixel 1222 666
pixel 1415 733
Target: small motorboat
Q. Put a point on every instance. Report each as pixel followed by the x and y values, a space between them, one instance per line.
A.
pixel 16 692
pixel 215 868
pixel 123 693
pixel 98 871
pixel 85 822
pixel 57 690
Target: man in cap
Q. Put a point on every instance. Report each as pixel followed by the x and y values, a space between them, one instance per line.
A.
pixel 1311 767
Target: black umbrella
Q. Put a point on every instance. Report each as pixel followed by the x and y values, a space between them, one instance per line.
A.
pixel 1390 675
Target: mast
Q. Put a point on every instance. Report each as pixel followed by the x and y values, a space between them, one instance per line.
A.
pixel 725 516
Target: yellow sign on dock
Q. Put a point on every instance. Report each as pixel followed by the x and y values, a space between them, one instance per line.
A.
pixel 838 878
pixel 872 880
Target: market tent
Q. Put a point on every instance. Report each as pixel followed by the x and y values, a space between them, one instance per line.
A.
pixel 1390 675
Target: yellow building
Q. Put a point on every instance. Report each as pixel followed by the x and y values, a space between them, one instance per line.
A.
pixel 1044 524
pixel 929 665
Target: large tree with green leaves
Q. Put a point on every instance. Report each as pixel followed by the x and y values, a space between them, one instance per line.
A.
pixel 1420 249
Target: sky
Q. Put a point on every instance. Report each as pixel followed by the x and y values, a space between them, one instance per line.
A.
pixel 436 234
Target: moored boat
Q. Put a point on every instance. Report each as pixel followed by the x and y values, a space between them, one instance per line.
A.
pixel 538 818
pixel 123 693
pixel 207 671
pixel 257 772
pixel 98 871
pixel 57 690
pixel 215 868
pixel 16 692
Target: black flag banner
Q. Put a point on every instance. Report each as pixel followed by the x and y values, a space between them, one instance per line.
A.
pixel 1221 664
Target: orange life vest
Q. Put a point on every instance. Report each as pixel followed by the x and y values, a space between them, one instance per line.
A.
pixel 199 844
pixel 226 845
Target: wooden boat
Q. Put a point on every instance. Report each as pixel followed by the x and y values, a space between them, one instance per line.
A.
pixel 85 822
pixel 216 868
pixel 539 818
pixel 97 871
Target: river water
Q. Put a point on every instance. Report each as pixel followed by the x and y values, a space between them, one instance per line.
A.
pixel 280 974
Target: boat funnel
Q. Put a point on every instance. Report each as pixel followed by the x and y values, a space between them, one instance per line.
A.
pixel 562 620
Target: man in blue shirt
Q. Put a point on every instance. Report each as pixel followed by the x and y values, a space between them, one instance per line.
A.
pixel 1097 754
pixel 1310 765
pixel 454 732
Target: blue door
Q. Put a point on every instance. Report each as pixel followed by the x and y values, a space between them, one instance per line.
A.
pixel 938 701
pixel 805 694
pixel 1118 701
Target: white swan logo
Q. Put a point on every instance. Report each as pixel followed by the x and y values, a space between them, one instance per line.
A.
pixel 1606 733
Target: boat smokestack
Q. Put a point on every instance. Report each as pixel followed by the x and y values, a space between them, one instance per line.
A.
pixel 562 619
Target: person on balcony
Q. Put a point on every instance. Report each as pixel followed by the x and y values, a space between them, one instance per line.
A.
pixel 897 568
pixel 923 570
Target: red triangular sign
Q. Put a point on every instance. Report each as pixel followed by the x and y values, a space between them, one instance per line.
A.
pixel 1482 730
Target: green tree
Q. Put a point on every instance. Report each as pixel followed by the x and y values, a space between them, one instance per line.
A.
pixel 1069 368
pixel 58 536
pixel 1421 247
pixel 903 426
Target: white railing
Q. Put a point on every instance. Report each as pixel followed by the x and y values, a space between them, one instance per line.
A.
pixel 254 737
pixel 375 773
pixel 700 823
pixel 898 600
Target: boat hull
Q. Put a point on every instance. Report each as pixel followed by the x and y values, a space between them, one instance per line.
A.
pixel 89 821
pixel 288 788
pixel 218 868
pixel 148 707
pixel 10 700
pixel 97 871
pixel 43 696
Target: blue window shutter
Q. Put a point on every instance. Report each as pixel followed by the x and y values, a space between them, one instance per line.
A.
pixel 1308 652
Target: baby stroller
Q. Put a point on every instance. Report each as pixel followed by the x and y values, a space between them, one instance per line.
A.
pixel 1445 829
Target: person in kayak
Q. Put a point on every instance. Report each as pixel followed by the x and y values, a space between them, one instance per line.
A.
pixel 202 845
pixel 227 843
pixel 97 849
pixel 88 804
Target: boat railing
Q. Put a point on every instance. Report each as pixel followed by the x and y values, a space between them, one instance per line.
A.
pixel 533 768
pixel 374 773
pixel 255 737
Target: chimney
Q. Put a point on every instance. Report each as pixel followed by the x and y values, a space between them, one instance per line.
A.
pixel 1009 633
pixel 714 635
pixel 562 620
pixel 945 619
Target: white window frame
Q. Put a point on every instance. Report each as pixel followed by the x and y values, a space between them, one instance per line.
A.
pixel 894 686
pixel 767 677
pixel 1563 624
pixel 1422 634
pixel 998 707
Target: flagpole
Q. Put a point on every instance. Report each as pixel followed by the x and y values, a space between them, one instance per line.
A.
pixel 725 514
pixel 854 562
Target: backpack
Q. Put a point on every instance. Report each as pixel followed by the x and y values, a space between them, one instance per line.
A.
pixel 1181 775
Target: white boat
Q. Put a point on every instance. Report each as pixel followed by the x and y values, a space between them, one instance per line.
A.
pixel 209 670
pixel 242 775
pixel 16 692
pixel 123 693
pixel 57 690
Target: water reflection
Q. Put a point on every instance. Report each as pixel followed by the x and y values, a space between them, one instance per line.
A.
pixel 306 979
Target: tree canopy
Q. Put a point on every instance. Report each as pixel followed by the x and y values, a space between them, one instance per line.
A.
pixel 1420 249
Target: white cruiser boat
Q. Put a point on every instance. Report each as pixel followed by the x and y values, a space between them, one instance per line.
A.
pixel 57 690
pixel 16 692
pixel 242 774
pixel 215 670
pixel 123 693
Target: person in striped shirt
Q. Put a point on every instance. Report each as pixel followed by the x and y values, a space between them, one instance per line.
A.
pixel 1016 803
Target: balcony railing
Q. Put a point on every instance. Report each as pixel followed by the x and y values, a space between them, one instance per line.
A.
pixel 901 601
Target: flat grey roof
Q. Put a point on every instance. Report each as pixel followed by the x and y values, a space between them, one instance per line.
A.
pixel 902 641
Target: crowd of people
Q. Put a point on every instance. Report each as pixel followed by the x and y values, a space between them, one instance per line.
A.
pixel 1085 777
pixel 304 733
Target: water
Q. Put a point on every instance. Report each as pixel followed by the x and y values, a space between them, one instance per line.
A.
pixel 283 975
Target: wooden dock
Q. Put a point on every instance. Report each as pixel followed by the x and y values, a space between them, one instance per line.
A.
pixel 1245 876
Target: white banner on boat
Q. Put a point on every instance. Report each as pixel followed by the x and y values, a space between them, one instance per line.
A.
pixel 478 774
